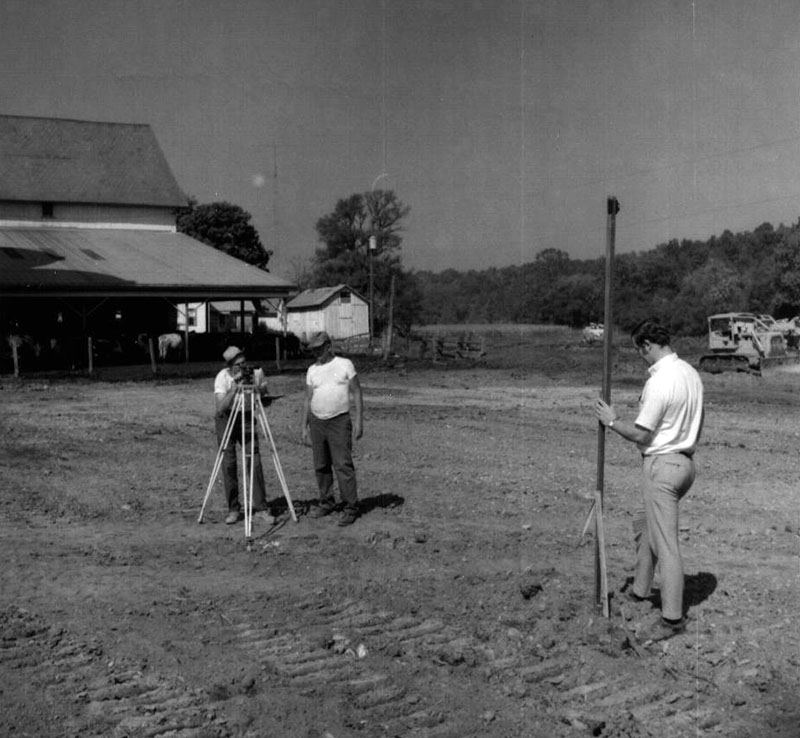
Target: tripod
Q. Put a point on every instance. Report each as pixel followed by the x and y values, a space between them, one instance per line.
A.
pixel 247 397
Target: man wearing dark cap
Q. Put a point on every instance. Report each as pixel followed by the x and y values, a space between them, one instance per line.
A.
pixel 226 384
pixel 332 389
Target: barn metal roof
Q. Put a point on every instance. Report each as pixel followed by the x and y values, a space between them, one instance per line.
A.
pixel 125 262
pixel 59 160
pixel 317 297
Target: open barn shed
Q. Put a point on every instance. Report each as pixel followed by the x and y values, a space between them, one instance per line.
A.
pixel 91 264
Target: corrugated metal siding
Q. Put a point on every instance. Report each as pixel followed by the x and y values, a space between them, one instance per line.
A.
pixel 40 257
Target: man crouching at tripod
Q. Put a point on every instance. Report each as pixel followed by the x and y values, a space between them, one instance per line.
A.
pixel 227 383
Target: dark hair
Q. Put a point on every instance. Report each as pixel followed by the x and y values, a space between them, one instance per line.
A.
pixel 650 330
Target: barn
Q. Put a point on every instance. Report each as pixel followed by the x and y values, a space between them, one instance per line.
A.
pixel 89 252
pixel 219 317
pixel 338 310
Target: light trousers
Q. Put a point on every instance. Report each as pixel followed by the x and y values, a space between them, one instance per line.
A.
pixel 665 480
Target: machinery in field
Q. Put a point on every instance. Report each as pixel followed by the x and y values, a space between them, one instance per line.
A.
pixel 745 342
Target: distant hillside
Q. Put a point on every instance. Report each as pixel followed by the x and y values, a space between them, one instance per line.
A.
pixel 679 282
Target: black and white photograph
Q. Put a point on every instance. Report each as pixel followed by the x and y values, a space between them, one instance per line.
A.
pixel 414 369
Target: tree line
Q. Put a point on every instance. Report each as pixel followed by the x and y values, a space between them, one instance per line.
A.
pixel 680 282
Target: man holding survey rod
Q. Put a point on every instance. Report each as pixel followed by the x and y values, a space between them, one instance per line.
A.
pixel 666 432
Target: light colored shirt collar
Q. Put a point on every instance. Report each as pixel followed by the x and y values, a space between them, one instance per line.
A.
pixel 662 362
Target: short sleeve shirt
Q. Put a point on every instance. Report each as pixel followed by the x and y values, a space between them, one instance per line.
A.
pixel 330 384
pixel 224 381
pixel 671 407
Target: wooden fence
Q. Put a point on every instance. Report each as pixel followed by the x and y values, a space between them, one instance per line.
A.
pixel 435 347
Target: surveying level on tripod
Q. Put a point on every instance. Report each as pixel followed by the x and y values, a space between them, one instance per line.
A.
pixel 247 375
pixel 240 392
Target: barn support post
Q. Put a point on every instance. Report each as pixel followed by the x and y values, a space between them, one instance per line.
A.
pixel 186 332
pixel 278 353
pixel 84 314
pixel 15 356
pixel 601 574
pixel 151 345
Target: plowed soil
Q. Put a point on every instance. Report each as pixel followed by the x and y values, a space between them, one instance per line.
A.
pixel 461 603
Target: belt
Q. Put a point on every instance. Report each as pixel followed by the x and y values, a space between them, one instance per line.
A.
pixel 679 453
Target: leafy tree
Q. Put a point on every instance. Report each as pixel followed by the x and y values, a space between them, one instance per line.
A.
pixel 551 264
pixel 574 299
pixel 225 227
pixel 345 255
pixel 716 287
pixel 681 282
pixel 785 298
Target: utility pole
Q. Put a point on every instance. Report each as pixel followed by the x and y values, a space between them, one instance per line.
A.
pixel 373 246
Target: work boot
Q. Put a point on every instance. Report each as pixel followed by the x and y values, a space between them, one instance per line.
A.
pixel 348 517
pixel 320 511
pixel 265 516
pixel 660 630
pixel 234 516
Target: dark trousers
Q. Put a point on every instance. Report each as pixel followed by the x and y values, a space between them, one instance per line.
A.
pixel 230 457
pixel 332 449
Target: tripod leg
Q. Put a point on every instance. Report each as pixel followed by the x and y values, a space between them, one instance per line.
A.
pixel 245 477
pixel 262 417
pixel 600 546
pixel 226 437
pixel 251 466
pixel 588 520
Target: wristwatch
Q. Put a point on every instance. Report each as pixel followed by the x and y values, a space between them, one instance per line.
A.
pixel 611 423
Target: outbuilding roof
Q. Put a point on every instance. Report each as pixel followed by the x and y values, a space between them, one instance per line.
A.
pixel 60 160
pixel 102 261
pixel 317 297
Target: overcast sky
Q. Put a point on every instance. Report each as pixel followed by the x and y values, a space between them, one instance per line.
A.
pixel 504 124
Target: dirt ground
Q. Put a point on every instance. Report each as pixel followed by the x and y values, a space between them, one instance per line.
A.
pixel 461 604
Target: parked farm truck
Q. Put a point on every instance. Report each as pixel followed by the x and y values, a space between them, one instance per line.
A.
pixel 745 342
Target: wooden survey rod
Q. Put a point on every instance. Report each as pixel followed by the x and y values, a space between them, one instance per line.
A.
pixel 601 574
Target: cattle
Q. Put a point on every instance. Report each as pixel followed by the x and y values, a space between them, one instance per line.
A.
pixel 169 342
pixel 593 332
pixel 24 349
pixel 24 343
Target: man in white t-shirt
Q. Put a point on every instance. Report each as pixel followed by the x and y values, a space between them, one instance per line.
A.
pixel 666 432
pixel 332 390
pixel 226 385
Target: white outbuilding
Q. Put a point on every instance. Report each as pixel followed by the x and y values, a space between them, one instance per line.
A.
pixel 338 310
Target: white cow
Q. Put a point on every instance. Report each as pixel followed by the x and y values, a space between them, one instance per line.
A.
pixel 593 332
pixel 24 342
pixel 169 342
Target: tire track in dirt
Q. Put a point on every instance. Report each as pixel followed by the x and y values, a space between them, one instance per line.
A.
pixel 386 699
pixel 381 700
pixel 91 694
